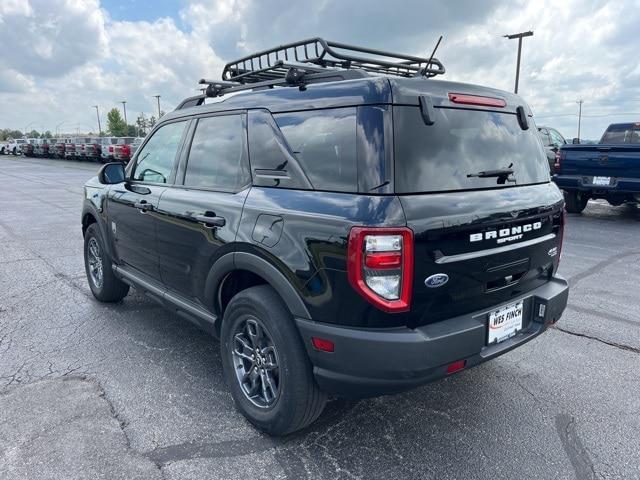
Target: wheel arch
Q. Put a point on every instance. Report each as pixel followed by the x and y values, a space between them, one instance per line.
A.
pixel 232 264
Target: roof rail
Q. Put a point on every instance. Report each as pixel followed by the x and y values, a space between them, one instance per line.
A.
pixel 313 60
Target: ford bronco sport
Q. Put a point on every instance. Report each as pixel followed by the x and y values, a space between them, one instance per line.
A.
pixel 344 224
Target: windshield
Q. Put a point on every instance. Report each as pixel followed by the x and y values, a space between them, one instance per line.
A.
pixel 622 133
pixel 465 150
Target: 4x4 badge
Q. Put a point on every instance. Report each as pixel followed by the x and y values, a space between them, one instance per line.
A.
pixel 437 280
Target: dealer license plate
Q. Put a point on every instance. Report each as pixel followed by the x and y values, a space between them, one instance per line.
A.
pixel 505 322
pixel 601 181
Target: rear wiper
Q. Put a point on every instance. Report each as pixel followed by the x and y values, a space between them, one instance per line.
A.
pixel 503 172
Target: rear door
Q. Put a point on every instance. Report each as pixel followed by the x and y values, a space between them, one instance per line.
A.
pixel 198 217
pixel 132 205
pixel 493 237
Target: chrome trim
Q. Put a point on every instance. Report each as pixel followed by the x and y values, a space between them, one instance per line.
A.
pixel 493 251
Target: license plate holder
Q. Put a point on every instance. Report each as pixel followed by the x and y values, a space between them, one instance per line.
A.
pixel 504 322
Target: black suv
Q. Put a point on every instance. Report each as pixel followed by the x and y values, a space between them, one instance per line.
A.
pixel 345 225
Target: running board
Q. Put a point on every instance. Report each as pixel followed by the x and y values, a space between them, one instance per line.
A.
pixel 183 307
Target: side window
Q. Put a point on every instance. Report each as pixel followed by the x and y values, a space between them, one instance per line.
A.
pixel 324 142
pixel 217 157
pixel 556 137
pixel 155 161
pixel 544 136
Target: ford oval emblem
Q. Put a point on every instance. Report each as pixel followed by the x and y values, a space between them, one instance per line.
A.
pixel 437 280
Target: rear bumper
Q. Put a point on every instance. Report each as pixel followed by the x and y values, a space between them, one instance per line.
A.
pixel 622 185
pixel 368 362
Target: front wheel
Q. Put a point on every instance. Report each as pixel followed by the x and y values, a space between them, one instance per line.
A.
pixel 265 363
pixel 104 285
pixel 576 201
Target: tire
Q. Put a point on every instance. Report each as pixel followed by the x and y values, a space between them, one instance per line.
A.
pixel 297 400
pixel 575 201
pixel 106 287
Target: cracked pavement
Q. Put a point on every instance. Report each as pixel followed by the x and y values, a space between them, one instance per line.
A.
pixel 132 391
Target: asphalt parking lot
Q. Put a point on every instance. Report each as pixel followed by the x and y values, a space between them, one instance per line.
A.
pixel 132 391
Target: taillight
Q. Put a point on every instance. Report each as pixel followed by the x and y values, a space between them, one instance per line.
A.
pixel 110 149
pixel 557 166
pixel 126 150
pixel 380 266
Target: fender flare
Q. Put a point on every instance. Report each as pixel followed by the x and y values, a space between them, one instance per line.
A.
pixel 89 209
pixel 255 264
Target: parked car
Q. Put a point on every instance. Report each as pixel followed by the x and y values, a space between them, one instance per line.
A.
pixel 70 148
pixel 41 147
pixel 608 170
pixel 27 148
pixel 107 149
pixel 342 233
pixel 80 144
pixel 92 149
pixel 552 140
pixel 135 145
pixel 56 147
pixel 122 151
pixel 12 146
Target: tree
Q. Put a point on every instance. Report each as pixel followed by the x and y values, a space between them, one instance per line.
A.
pixel 115 123
pixel 47 134
pixel 33 134
pixel 141 123
pixel 152 121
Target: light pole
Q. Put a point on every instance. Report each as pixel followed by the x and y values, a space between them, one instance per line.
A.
pixel 579 102
pixel 519 36
pixel 124 107
pixel 58 126
pixel 98 117
pixel 25 128
pixel 158 99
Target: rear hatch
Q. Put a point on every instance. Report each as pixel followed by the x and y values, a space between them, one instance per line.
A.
pixel 495 238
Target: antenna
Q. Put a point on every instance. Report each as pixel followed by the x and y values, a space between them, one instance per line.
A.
pixel 424 70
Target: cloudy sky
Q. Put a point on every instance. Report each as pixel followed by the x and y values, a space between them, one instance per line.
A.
pixel 58 58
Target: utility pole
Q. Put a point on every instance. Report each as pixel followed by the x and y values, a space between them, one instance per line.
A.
pixel 98 116
pixel 57 127
pixel 158 99
pixel 124 107
pixel 519 36
pixel 579 102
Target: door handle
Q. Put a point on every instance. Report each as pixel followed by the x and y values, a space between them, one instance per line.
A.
pixel 210 221
pixel 143 206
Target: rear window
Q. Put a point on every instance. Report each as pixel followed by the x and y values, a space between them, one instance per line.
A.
pixel 439 157
pixel 324 142
pixel 626 133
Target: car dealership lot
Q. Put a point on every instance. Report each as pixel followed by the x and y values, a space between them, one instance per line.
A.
pixel 133 391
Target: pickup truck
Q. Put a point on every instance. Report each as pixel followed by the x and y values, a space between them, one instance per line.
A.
pixel 12 146
pixel 609 169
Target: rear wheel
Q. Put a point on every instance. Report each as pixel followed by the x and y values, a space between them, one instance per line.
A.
pixel 265 363
pixel 104 285
pixel 576 201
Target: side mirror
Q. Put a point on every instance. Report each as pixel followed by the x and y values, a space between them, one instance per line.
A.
pixel 576 141
pixel 111 173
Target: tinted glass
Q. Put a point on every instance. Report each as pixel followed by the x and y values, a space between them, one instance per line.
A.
pixel 155 161
pixel 217 159
pixel 556 138
pixel 624 133
pixel 324 142
pixel 544 136
pixel 440 157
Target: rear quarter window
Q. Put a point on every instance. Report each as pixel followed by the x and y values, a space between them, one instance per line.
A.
pixel 324 143
pixel 439 157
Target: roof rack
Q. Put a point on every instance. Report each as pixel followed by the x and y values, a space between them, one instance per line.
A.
pixel 318 51
pixel 312 61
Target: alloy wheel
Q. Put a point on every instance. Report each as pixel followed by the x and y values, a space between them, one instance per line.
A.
pixel 95 262
pixel 255 361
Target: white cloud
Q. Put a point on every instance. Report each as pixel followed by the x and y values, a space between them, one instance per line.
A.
pixel 62 57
